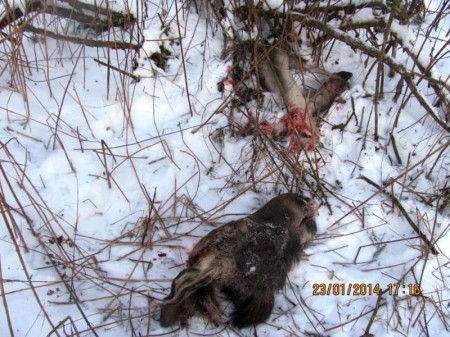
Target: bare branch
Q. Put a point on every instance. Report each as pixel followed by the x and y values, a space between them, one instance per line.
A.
pixel 394 64
pixel 96 17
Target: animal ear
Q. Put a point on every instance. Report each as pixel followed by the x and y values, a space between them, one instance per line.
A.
pixel 254 308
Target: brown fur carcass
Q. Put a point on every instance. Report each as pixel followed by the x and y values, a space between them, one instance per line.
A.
pixel 247 260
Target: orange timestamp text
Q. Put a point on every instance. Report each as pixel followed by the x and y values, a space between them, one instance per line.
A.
pixel 363 289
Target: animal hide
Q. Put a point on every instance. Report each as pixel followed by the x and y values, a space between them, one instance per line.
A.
pixel 300 121
pixel 247 260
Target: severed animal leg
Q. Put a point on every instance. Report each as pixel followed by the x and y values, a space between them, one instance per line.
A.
pixel 328 92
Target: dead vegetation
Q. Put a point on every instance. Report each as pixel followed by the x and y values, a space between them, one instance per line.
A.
pixel 311 29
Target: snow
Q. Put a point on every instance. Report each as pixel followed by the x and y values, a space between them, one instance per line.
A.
pixel 271 4
pixel 88 167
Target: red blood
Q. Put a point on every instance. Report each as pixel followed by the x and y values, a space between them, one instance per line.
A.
pixel 294 120
pixel 194 256
pixel 308 145
pixel 251 115
pixel 295 109
pixel 162 254
pixel 304 131
pixel 298 143
pixel 230 82
pixel 267 128
pixel 294 145
pixel 303 137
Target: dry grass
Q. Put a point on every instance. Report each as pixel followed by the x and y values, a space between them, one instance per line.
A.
pixel 33 227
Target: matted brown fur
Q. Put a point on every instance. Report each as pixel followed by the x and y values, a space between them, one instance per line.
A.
pixel 247 260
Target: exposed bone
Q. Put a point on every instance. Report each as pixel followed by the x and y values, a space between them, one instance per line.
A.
pixel 277 76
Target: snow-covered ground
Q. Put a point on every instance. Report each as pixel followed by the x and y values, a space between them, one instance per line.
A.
pixel 106 184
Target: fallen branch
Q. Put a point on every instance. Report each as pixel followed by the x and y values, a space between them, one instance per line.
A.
pixel 96 17
pixel 134 77
pixel 426 73
pixel 374 314
pixel 80 40
pixel 376 53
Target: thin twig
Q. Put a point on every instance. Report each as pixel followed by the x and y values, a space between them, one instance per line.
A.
pixel 405 214
pixel 5 302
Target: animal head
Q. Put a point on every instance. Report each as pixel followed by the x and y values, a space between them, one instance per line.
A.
pixel 287 210
pixel 293 211
pixel 247 259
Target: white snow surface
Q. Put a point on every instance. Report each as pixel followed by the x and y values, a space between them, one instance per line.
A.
pixel 87 164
